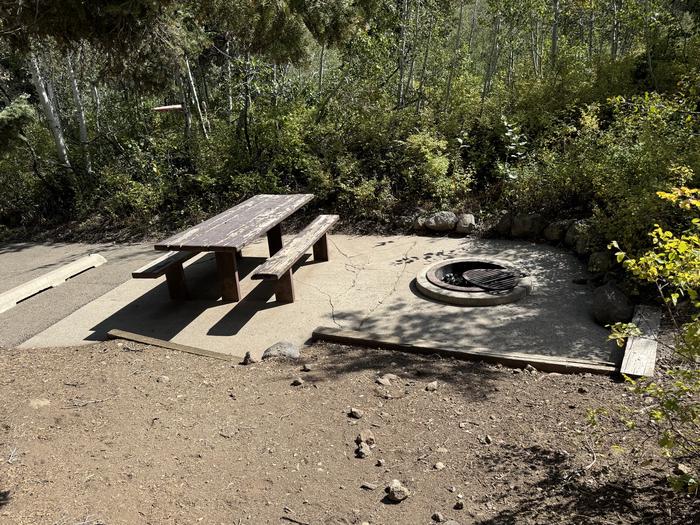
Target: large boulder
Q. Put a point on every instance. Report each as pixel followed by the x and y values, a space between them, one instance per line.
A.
pixel 611 305
pixel 577 237
pixel 527 226
pixel 282 350
pixel 441 221
pixel 466 223
pixel 556 231
pixel 600 262
pixel 502 227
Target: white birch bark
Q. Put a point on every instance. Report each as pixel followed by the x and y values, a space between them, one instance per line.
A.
pixel 49 111
pixel 79 114
pixel 195 97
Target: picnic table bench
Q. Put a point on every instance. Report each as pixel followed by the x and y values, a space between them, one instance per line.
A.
pixel 227 233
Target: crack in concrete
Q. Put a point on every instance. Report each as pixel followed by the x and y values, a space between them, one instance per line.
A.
pixel 330 300
pixel 405 260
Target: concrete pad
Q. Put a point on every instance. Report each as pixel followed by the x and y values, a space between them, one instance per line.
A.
pixel 367 285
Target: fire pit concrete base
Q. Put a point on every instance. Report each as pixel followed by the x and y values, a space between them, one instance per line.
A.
pixel 471 296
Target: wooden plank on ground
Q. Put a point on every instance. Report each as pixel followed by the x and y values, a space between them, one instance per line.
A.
pixel 144 339
pixel 640 352
pixel 544 363
pixel 49 280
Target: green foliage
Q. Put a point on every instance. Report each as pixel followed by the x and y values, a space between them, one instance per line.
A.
pixel 13 120
pixel 673 267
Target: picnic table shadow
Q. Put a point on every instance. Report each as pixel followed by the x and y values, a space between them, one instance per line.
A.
pixel 154 314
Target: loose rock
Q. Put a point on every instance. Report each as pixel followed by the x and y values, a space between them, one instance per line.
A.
pixel 282 350
pixel 432 387
pixel 459 505
pixel 556 231
pixel 600 262
pixel 306 368
pixel 530 368
pixel 396 491
pixel 356 413
pixel 163 379
pixel 297 381
pixel 438 517
pixel 366 436
pixel 439 465
pixel 382 381
pixel 368 486
pixel 248 359
pixel 363 450
pixel 503 226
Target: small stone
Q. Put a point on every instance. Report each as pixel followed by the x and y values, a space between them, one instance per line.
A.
pixel 282 350
pixel 396 491
pixel 248 359
pixel 438 517
pixel 391 377
pixel 530 368
pixel 363 450
pixel 682 470
pixel 368 486
pixel 163 379
pixel 459 505
pixel 39 403
pixel 432 387
pixel 356 413
pixel 486 440
pixel 441 450
pixel 452 489
pixel 380 463
pixel 366 436
pixel 306 368
pixel 517 371
pixel 582 390
pixel 439 465
pixel 382 381
pixel 462 424
pixel 297 381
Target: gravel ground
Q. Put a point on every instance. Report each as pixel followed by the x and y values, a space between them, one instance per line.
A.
pixel 118 432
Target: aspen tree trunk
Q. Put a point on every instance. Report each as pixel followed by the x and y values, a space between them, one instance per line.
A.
pixel 320 68
pixel 455 57
pixel 472 27
pixel 97 104
pixel 49 111
pixel 591 28
pixel 615 33
pixel 492 63
pixel 79 114
pixel 229 82
pixel 402 53
pixel 554 48
pixel 424 66
pixel 195 97
pixel 409 77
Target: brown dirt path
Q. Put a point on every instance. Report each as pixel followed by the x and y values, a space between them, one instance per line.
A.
pixel 123 433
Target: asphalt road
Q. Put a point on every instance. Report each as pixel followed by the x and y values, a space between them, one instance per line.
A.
pixel 21 262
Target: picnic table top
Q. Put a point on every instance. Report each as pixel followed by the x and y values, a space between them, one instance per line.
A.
pixel 236 227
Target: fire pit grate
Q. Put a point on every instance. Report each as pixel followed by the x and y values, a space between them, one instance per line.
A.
pixel 473 282
pixel 492 279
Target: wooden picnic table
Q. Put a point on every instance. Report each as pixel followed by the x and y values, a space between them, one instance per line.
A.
pixel 228 232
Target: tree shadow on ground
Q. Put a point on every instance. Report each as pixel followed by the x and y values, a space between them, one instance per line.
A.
pixel 566 493
pixel 474 381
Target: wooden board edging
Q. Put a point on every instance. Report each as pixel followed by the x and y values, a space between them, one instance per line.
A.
pixel 639 359
pixel 543 363
pixel 49 280
pixel 144 339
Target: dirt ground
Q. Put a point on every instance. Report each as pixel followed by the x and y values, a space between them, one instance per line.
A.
pixel 117 432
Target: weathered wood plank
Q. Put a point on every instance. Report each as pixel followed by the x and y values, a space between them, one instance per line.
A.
pixel 233 229
pixel 161 264
pixel 640 352
pixel 49 280
pixel 284 259
pixel 143 339
pixel 544 363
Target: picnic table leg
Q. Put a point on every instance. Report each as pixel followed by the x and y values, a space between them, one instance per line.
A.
pixel 274 239
pixel 175 277
pixel 228 276
pixel 285 288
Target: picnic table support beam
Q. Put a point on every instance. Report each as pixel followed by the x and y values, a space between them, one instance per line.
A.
pixel 274 239
pixel 228 276
pixel 321 249
pixel 175 277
